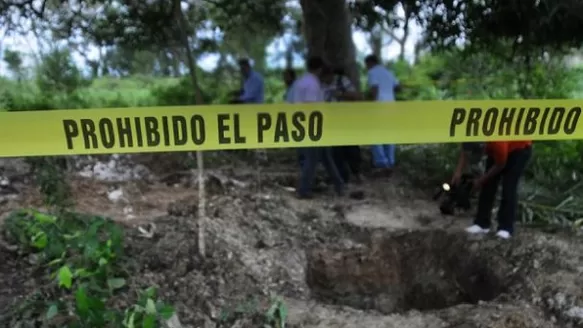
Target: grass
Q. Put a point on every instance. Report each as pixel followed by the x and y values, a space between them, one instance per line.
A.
pixel 102 92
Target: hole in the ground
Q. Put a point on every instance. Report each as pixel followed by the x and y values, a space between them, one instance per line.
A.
pixel 425 270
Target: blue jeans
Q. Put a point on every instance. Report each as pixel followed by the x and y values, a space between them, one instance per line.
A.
pixel 383 156
pixel 311 157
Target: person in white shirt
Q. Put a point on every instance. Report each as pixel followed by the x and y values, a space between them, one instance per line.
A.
pixel 382 85
pixel 307 89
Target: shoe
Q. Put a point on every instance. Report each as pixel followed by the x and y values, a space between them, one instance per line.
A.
pixel 476 229
pixel 503 234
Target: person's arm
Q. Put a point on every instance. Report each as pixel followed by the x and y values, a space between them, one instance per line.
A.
pixel 499 152
pixel 252 89
pixel 461 164
pixel 373 86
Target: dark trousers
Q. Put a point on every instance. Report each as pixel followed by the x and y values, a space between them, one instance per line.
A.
pixel 300 154
pixel 310 158
pixel 348 160
pixel 510 177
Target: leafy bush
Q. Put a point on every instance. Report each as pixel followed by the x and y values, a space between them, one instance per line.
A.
pixel 86 265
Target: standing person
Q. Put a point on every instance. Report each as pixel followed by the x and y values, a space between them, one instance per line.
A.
pixel 506 162
pixel 253 87
pixel 382 86
pixel 337 87
pixel 307 89
pixel 252 93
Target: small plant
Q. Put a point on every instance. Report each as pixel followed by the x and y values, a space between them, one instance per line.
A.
pixel 84 258
pixel 272 316
pixel 50 176
pixel 276 316
pixel 147 311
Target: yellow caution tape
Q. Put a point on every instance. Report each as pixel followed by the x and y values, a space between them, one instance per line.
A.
pixel 163 129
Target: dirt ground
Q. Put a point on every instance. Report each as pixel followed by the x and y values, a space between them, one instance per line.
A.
pixel 387 259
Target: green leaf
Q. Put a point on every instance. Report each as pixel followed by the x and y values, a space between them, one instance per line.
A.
pixel 82 273
pixel 72 236
pixel 282 313
pixel 149 321
pixel 44 218
pixel 55 261
pixel 65 277
pixel 52 311
pixel 166 311
pixel 151 292
pixel 81 300
pixel 150 306
pixel 116 283
pixel 40 240
pixel 130 322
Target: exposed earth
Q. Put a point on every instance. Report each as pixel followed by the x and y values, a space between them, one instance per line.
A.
pixel 386 259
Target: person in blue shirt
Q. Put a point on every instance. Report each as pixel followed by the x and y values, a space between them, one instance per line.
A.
pixel 382 86
pixel 253 87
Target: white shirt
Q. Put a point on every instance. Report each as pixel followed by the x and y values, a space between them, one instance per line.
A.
pixel 307 89
pixel 385 81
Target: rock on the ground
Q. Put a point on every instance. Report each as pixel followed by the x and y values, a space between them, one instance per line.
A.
pixel 117 168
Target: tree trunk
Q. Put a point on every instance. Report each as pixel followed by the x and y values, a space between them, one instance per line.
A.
pixel 405 37
pixel 376 42
pixel 328 33
pixel 199 154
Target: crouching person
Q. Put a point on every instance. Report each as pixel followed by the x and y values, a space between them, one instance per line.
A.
pixel 506 163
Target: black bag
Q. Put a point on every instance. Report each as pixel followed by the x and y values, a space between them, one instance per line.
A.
pixel 457 196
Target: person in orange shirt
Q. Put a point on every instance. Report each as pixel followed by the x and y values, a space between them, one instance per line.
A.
pixel 506 162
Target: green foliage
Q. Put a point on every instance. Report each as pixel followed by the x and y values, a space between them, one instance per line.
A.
pixel 51 178
pixel 273 316
pixel 57 73
pixel 85 261
pixel 526 26
pixel 276 315
pixel 13 60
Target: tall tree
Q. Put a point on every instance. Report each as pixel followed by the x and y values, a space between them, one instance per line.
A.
pixel 328 33
pixel 13 60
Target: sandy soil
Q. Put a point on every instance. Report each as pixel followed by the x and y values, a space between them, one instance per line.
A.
pixel 387 260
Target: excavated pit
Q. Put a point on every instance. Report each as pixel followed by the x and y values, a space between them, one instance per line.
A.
pixel 392 273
